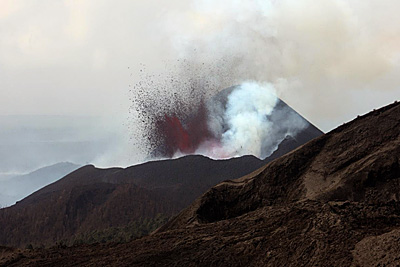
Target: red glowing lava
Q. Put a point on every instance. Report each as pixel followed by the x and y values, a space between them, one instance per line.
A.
pixel 183 132
pixel 177 135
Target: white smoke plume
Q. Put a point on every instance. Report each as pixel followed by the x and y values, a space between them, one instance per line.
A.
pixel 320 55
pixel 328 59
pixel 246 117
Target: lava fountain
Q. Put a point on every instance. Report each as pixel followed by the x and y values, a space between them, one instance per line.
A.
pixel 248 119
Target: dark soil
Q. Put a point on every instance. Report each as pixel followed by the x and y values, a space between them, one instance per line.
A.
pixel 331 202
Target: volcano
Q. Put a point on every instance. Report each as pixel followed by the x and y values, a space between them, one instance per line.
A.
pixel 69 208
pixel 332 202
pixel 204 129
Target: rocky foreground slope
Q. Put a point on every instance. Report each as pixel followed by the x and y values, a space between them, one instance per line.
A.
pixel 331 202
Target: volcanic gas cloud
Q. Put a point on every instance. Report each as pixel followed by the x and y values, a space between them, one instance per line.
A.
pixel 237 121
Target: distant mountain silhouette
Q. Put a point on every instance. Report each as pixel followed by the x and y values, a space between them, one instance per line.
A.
pixel 19 186
pixel 332 202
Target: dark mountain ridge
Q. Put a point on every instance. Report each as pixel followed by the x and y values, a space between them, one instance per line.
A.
pixel 91 199
pixel 120 197
pixel 331 202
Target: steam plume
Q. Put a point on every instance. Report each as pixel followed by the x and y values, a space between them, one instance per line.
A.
pixel 318 55
pixel 239 120
pixel 245 119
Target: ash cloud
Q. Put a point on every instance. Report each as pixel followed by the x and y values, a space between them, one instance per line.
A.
pixel 242 125
pixel 247 119
pixel 318 55
pixel 330 60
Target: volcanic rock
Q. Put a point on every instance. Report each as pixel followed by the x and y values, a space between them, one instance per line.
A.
pixel 331 202
pixel 91 199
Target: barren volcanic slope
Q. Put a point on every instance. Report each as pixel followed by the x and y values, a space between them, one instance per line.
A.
pixel 92 199
pixel 127 203
pixel 332 202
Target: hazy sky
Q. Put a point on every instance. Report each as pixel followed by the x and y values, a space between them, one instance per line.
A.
pixel 329 59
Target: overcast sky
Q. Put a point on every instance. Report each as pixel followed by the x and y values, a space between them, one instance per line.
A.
pixel 329 59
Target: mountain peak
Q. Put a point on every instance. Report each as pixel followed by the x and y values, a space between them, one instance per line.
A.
pixel 331 202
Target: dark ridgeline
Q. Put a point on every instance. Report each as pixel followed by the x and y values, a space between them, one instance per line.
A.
pixel 92 201
pixel 331 202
